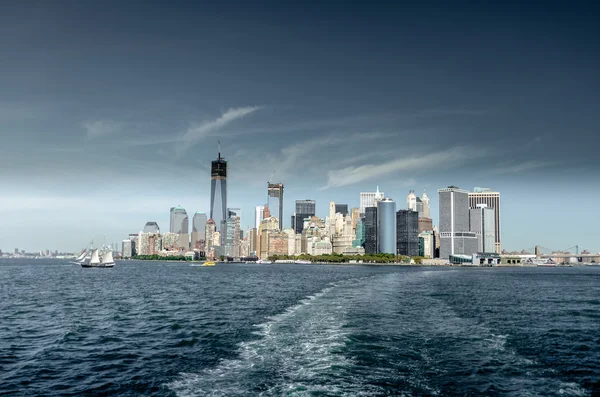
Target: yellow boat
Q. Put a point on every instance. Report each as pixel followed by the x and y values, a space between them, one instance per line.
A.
pixel 209 263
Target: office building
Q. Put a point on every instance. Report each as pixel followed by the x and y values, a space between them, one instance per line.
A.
pixel 275 203
pixel 425 224
pixel 482 222
pixel 304 209
pixel 427 244
pixel 407 232
pixel 209 233
pixel 369 199
pixel 232 233
pixel 259 214
pixel 149 243
pixel 492 200
pixel 218 192
pixel 386 226
pixel 341 209
pixel 151 227
pixel 199 231
pixel 426 209
pixel 268 226
pixel 411 201
pixel 455 235
pixel 179 220
pixel 127 249
pixel 371 230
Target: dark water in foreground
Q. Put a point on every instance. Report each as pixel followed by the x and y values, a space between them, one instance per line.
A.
pixel 169 329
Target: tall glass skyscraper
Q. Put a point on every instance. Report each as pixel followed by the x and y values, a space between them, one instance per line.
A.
pixel 275 193
pixel 304 209
pixel 218 193
pixel 342 209
pixel 371 230
pixel 386 226
pixel 407 232
pixel 179 220
pixel 199 231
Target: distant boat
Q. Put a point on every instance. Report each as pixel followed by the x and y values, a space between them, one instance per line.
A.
pixel 96 261
pixel 264 262
pixel 302 262
pixel 208 263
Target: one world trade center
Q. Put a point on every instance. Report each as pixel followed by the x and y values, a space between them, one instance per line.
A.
pixel 218 192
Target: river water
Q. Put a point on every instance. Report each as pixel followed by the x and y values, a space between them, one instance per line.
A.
pixel 169 329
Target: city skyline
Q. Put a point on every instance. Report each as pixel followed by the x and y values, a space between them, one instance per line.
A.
pixel 407 98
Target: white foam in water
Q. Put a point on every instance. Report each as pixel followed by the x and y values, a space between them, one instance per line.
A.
pixel 298 352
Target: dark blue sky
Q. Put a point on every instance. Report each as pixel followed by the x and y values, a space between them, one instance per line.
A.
pixel 110 112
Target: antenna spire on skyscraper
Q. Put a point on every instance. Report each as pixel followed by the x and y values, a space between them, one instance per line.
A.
pixel 219 148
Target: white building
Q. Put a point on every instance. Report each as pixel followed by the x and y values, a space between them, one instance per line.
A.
pixel 291 238
pixel 428 248
pixel 411 201
pixel 259 215
pixel 322 247
pixel 492 200
pixel 369 199
pixel 426 206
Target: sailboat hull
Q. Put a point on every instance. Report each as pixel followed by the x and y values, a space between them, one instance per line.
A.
pixel 98 265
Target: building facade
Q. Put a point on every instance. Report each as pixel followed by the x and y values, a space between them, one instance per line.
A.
pixel 369 199
pixel 199 231
pixel 492 200
pixel 455 235
pixel 407 232
pixel 218 192
pixel 482 222
pixel 151 227
pixel 259 214
pixel 341 209
pixel 386 226
pixel 411 201
pixel 179 222
pixel 275 204
pixel 425 224
pixel 370 230
pixel 304 209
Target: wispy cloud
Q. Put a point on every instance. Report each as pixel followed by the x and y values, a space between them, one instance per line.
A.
pixel 100 128
pixel 515 168
pixel 198 132
pixel 351 175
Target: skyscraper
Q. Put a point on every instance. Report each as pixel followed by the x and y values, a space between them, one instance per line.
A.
pixel 369 199
pixel 151 227
pixel 482 223
pixel 407 232
pixel 411 201
pixel 304 209
pixel 275 204
pixel 342 209
pixel 455 236
pixel 492 200
pixel 218 191
pixel 386 226
pixel 179 220
pixel 426 206
pixel 370 230
pixel 259 213
pixel 199 231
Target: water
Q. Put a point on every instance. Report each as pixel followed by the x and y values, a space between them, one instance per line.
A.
pixel 168 329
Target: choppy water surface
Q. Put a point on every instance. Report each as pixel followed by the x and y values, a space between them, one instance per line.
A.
pixel 169 329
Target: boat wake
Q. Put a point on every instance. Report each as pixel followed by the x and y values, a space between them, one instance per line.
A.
pixel 298 351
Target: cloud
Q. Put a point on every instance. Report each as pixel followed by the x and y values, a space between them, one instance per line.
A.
pixel 100 128
pixel 511 168
pixel 198 132
pixel 351 175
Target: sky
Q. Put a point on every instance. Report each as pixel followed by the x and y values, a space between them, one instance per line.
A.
pixel 110 112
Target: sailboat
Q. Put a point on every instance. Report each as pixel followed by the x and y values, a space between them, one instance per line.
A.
pixel 95 261
pixel 81 258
